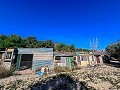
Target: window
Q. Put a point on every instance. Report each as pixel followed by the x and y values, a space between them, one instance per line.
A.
pixel 8 55
pixel 92 58
pixel 74 58
pixel 84 58
pixel 57 58
pixel 68 59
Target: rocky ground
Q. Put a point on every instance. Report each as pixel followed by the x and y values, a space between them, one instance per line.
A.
pixel 102 77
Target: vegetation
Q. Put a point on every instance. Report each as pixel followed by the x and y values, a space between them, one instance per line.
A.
pixel 114 50
pixel 15 41
pixel 5 72
pixel 90 77
pixel 83 50
pixel 61 69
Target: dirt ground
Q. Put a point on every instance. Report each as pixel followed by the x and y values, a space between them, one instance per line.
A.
pixel 101 77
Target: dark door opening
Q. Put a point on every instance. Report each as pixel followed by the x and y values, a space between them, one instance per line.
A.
pixel 98 59
pixel 26 61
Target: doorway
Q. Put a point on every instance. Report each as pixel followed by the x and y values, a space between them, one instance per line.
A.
pixel 98 59
pixel 26 61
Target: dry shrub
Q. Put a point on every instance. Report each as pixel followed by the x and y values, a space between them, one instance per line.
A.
pixel 61 69
pixel 5 72
pixel 0 62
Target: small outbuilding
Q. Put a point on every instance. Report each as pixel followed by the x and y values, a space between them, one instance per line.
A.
pixel 63 60
pixel 85 59
pixel 26 58
pixel 34 58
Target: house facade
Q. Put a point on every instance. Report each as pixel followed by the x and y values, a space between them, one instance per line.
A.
pixel 63 59
pixel 34 58
pixel 85 59
pixel 8 57
pixel 27 58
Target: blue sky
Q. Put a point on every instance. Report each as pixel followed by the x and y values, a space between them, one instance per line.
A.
pixel 66 21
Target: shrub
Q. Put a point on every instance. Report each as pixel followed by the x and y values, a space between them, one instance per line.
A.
pixel 61 69
pixel 5 72
pixel 0 62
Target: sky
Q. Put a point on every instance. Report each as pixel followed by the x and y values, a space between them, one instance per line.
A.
pixel 66 21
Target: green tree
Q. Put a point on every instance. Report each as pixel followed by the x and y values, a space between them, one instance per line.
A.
pixel 4 42
pixel 31 42
pixel 40 44
pixel 15 41
pixel 49 44
pixel 72 48
pixel 62 47
pixel 114 50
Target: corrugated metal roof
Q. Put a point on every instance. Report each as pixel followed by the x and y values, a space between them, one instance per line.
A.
pixel 64 53
pixel 33 50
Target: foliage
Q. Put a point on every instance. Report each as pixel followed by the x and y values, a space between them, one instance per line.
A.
pixel 15 41
pixel 72 48
pixel 4 41
pixel 61 69
pixel 0 62
pixel 49 44
pixel 82 50
pixel 114 50
pixel 5 72
pixel 30 42
pixel 62 47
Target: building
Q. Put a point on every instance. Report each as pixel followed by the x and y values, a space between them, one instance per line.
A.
pixel 8 57
pixel 64 59
pixel 85 59
pixel 28 58
pixel 82 59
pixel 77 59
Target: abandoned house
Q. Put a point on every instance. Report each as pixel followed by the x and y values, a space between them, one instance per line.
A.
pixel 27 58
pixel 85 59
pixel 63 59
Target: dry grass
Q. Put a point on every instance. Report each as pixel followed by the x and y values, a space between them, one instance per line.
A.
pixel 61 69
pixel 101 78
pixel 0 62
pixel 5 72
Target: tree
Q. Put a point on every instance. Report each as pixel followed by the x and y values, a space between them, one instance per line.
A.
pixel 49 44
pixel 4 42
pixel 15 41
pixel 83 50
pixel 72 48
pixel 58 47
pixel 62 47
pixel 40 44
pixel 31 42
pixel 114 50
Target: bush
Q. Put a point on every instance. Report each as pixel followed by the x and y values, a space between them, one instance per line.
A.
pixel 61 69
pixel 5 72
pixel 0 62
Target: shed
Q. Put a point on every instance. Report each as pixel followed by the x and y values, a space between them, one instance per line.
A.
pixel 84 59
pixel 33 58
pixel 63 60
